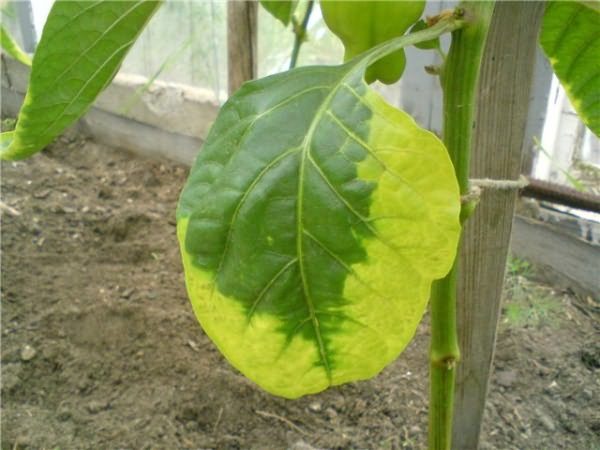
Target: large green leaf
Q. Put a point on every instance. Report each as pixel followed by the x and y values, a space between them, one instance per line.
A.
pixel 312 225
pixel 82 46
pixel 282 10
pixel 570 38
pixel 362 25
pixel 11 47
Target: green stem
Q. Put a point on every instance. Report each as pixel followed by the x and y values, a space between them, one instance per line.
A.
pixel 300 33
pixel 459 83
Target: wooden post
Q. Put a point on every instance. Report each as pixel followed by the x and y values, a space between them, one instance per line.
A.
pixel 242 18
pixel 503 98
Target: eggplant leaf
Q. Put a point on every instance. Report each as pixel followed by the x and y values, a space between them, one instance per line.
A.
pixel 570 38
pixel 81 49
pixel 312 225
pixel 283 10
pixel 10 46
pixel 362 25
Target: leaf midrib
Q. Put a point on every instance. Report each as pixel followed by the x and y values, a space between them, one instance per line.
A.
pixel 305 154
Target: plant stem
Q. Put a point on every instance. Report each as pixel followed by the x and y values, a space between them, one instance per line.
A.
pixel 459 82
pixel 300 33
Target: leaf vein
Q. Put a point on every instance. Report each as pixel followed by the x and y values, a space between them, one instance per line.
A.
pixel 268 286
pixel 342 264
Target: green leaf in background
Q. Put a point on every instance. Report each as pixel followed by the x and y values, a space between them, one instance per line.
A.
pixel 282 10
pixel 362 25
pixel 10 46
pixel 81 49
pixel 570 38
pixel 312 225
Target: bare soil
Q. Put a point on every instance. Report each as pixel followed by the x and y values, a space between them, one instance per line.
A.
pixel 101 350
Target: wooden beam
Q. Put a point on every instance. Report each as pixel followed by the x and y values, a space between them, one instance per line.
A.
pixel 242 19
pixel 503 96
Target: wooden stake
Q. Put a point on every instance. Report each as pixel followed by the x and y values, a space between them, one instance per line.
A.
pixel 242 19
pixel 503 97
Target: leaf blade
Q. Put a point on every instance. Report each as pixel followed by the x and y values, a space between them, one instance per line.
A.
pixel 311 227
pixel 570 38
pixel 79 53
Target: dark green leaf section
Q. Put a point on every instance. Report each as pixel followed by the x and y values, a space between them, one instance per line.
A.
pixel 82 46
pixel 260 147
pixel 282 10
pixel 570 38
pixel 362 25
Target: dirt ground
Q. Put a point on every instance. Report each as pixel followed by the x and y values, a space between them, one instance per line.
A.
pixel 100 348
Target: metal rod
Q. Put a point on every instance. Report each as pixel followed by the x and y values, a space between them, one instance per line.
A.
pixel 563 195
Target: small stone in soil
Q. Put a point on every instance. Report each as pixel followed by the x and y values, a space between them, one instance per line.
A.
pixel 28 353
pixel 546 422
pixel 127 293
pixel 301 445
pixel 96 406
pixel 41 194
pixel 552 388
pixel 331 413
pixel 315 407
pixel 193 345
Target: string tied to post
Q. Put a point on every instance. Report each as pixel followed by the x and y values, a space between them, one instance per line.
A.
pixel 477 185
